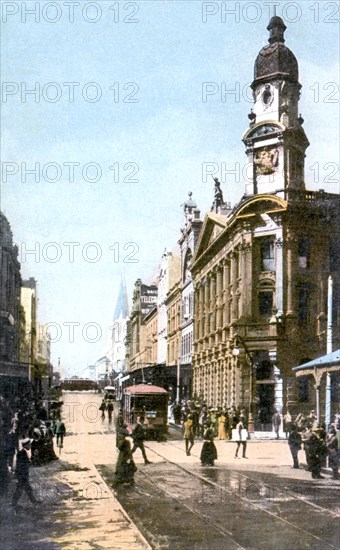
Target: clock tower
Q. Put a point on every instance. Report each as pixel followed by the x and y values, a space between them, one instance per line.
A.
pixel 275 141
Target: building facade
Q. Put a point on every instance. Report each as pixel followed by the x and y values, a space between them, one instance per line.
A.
pixel 260 271
pixel 14 374
pixel 168 275
pixel 10 282
pixel 187 242
pixel 143 302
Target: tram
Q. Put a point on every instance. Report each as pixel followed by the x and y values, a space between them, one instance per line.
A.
pixel 148 401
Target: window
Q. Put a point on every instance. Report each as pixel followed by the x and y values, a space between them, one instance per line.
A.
pixel 265 303
pixel 267 254
pixel 304 389
pixel 303 304
pixel 303 253
pixel 334 255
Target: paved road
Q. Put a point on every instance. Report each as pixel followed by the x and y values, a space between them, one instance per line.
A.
pixel 259 503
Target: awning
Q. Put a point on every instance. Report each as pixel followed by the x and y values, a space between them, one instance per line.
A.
pixel 327 363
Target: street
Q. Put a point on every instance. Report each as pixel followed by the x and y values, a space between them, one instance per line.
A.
pixel 259 502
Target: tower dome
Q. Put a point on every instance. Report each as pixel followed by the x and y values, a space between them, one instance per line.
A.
pixel 276 59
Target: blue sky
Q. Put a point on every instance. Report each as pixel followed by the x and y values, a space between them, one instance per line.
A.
pixel 152 122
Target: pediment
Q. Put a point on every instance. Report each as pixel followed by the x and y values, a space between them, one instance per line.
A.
pixel 213 226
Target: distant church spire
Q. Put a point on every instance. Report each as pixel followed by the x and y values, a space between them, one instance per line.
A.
pixel 122 307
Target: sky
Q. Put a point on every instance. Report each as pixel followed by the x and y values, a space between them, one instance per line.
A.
pixel 112 112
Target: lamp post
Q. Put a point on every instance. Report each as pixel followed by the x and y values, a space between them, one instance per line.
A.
pixel 236 352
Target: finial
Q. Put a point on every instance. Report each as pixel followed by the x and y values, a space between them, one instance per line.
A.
pixel 276 30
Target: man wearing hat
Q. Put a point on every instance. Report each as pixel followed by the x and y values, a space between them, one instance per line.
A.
pixel 22 473
pixel 138 436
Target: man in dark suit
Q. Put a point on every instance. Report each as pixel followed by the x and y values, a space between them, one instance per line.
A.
pixel 138 436
pixel 22 474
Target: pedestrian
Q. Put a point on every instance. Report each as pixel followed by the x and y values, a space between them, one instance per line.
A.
pixel 188 434
pixel 48 450
pixel 276 420
pixel 60 432
pixel 138 436
pixel 102 408
pixel 37 447
pixel 177 413
pixel 202 421
pixel 295 443
pixel 222 433
pixel 119 423
pixel 287 423
pixel 109 410
pixel 242 437
pixel 209 451
pixel 333 451
pixel 306 434
pixel 22 473
pixel 11 446
pixel 317 452
pixel 125 467
pixel 213 421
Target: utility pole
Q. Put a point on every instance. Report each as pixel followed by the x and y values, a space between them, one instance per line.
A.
pixel 329 349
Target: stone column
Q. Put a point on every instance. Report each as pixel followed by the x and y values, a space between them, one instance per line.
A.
pixel 202 312
pixel 226 280
pixel 213 302
pixel 279 275
pixel 207 306
pixel 247 279
pixel 197 314
pixel 234 281
pixel 290 275
pixel 219 318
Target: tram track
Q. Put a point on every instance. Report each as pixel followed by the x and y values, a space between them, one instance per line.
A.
pixel 201 516
pixel 253 481
pixel 230 495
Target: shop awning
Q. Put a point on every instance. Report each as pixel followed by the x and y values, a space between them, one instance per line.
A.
pixel 327 363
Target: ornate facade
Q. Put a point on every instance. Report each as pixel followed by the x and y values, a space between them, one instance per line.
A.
pixel 260 271
pixel 10 281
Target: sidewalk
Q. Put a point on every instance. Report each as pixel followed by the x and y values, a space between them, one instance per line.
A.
pixel 266 456
pixel 78 510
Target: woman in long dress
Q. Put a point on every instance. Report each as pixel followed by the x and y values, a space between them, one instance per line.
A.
pixel 125 467
pixel 208 452
pixel 188 434
pixel 221 434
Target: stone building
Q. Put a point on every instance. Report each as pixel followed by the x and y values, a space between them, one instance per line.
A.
pixel 10 281
pixel 143 302
pixel 187 242
pixel 168 275
pixel 14 375
pixel 260 271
